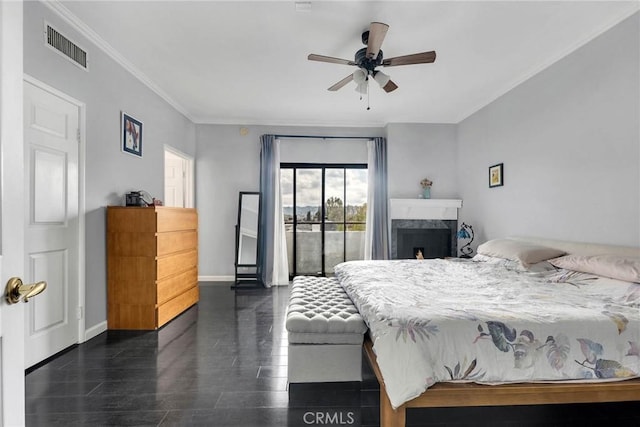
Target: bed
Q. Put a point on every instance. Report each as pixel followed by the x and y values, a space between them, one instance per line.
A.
pixel 527 321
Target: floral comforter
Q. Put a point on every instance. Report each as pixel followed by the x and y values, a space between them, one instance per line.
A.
pixel 441 320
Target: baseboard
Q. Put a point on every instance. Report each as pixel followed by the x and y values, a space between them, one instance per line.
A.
pixel 215 279
pixel 94 331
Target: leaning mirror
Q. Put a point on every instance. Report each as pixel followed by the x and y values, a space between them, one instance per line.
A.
pixel 247 231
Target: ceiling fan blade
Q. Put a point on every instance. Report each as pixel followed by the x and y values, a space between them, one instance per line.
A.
pixel 377 31
pixel 416 58
pixel 390 87
pixel 341 83
pixel 330 59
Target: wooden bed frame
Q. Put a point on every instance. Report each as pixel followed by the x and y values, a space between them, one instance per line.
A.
pixel 468 394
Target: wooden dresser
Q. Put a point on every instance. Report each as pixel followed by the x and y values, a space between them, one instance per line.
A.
pixel 152 265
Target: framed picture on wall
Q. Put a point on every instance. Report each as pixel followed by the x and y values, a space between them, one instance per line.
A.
pixel 496 178
pixel 131 133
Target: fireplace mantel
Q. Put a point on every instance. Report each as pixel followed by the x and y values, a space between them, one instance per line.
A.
pixel 424 208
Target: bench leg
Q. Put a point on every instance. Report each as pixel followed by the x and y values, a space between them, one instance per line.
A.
pixel 388 416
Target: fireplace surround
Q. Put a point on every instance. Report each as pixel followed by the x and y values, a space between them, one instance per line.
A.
pixel 427 225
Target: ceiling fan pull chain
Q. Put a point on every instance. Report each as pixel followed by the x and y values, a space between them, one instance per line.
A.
pixel 368 96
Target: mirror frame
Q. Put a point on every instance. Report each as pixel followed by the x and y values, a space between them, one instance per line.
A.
pixel 242 276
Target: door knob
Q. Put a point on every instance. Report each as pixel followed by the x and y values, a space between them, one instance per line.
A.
pixel 15 290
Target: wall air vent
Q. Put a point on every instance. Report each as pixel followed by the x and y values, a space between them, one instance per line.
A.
pixel 65 47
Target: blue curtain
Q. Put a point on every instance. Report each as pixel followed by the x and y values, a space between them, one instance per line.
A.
pixel 268 170
pixel 377 234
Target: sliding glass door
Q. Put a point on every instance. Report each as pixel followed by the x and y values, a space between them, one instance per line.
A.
pixel 325 209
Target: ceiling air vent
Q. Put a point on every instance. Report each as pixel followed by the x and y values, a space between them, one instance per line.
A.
pixel 65 47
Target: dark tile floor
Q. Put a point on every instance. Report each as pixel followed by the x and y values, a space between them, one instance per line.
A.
pixel 224 363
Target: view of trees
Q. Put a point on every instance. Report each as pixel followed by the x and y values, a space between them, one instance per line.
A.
pixel 335 211
pixel 359 215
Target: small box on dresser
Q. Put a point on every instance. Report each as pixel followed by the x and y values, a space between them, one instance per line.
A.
pixel 152 265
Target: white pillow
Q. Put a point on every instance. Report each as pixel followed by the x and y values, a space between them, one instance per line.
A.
pixel 613 266
pixel 516 250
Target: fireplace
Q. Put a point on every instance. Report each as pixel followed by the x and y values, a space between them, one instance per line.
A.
pixel 426 225
pixel 433 238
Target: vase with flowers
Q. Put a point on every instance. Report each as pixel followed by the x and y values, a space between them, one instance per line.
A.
pixel 426 188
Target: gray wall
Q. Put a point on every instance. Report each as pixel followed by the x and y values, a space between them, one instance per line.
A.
pixel 569 139
pixel 106 90
pixel 295 150
pixel 418 151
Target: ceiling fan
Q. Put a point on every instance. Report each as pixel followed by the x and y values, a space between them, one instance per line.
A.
pixel 370 57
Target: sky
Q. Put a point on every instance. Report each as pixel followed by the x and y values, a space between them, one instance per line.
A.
pixel 308 186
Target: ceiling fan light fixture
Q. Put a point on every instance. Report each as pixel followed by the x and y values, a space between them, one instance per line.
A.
pixel 359 76
pixel 384 81
pixel 381 78
pixel 361 88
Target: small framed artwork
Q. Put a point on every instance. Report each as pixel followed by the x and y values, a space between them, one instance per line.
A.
pixel 131 135
pixel 495 175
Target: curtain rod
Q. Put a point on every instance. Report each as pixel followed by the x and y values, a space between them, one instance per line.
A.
pixel 323 137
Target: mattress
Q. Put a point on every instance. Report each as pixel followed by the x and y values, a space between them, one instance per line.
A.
pixel 443 320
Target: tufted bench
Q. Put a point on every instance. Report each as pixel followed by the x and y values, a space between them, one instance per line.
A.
pixel 325 332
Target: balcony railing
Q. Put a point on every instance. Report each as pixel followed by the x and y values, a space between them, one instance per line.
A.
pixel 339 246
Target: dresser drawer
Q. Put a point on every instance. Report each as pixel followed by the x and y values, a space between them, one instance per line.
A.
pixel 151 244
pixel 175 285
pixel 177 263
pixel 176 219
pixel 177 305
pixel 176 241
pixel 131 244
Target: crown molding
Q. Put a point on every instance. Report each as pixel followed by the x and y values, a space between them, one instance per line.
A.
pixel 78 25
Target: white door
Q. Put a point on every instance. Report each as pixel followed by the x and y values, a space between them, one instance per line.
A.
pixel 51 135
pixel 174 180
pixel 12 409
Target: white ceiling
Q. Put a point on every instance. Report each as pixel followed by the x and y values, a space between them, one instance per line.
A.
pixel 240 62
